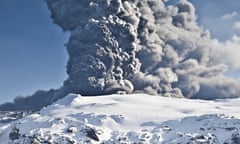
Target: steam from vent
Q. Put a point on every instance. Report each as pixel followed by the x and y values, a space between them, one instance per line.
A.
pixel 140 46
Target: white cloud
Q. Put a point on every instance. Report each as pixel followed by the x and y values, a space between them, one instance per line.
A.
pixel 236 25
pixel 230 15
pixel 227 52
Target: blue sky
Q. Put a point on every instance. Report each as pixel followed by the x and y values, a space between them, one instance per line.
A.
pixel 211 15
pixel 32 52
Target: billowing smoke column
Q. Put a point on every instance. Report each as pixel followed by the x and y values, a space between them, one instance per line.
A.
pixel 139 46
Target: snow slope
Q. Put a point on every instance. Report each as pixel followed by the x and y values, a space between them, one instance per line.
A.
pixel 136 118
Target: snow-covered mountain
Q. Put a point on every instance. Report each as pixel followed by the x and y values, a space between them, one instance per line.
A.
pixel 123 119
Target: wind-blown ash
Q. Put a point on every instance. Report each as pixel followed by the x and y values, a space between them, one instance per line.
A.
pixel 139 46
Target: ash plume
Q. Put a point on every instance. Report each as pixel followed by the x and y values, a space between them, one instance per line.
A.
pixel 140 46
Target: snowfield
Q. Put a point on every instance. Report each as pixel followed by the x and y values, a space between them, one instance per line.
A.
pixel 123 119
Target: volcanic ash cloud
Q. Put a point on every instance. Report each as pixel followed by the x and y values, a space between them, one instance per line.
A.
pixel 139 46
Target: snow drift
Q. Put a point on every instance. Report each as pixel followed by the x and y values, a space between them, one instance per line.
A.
pixel 138 46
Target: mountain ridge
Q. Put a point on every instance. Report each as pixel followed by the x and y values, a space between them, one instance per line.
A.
pixel 135 118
